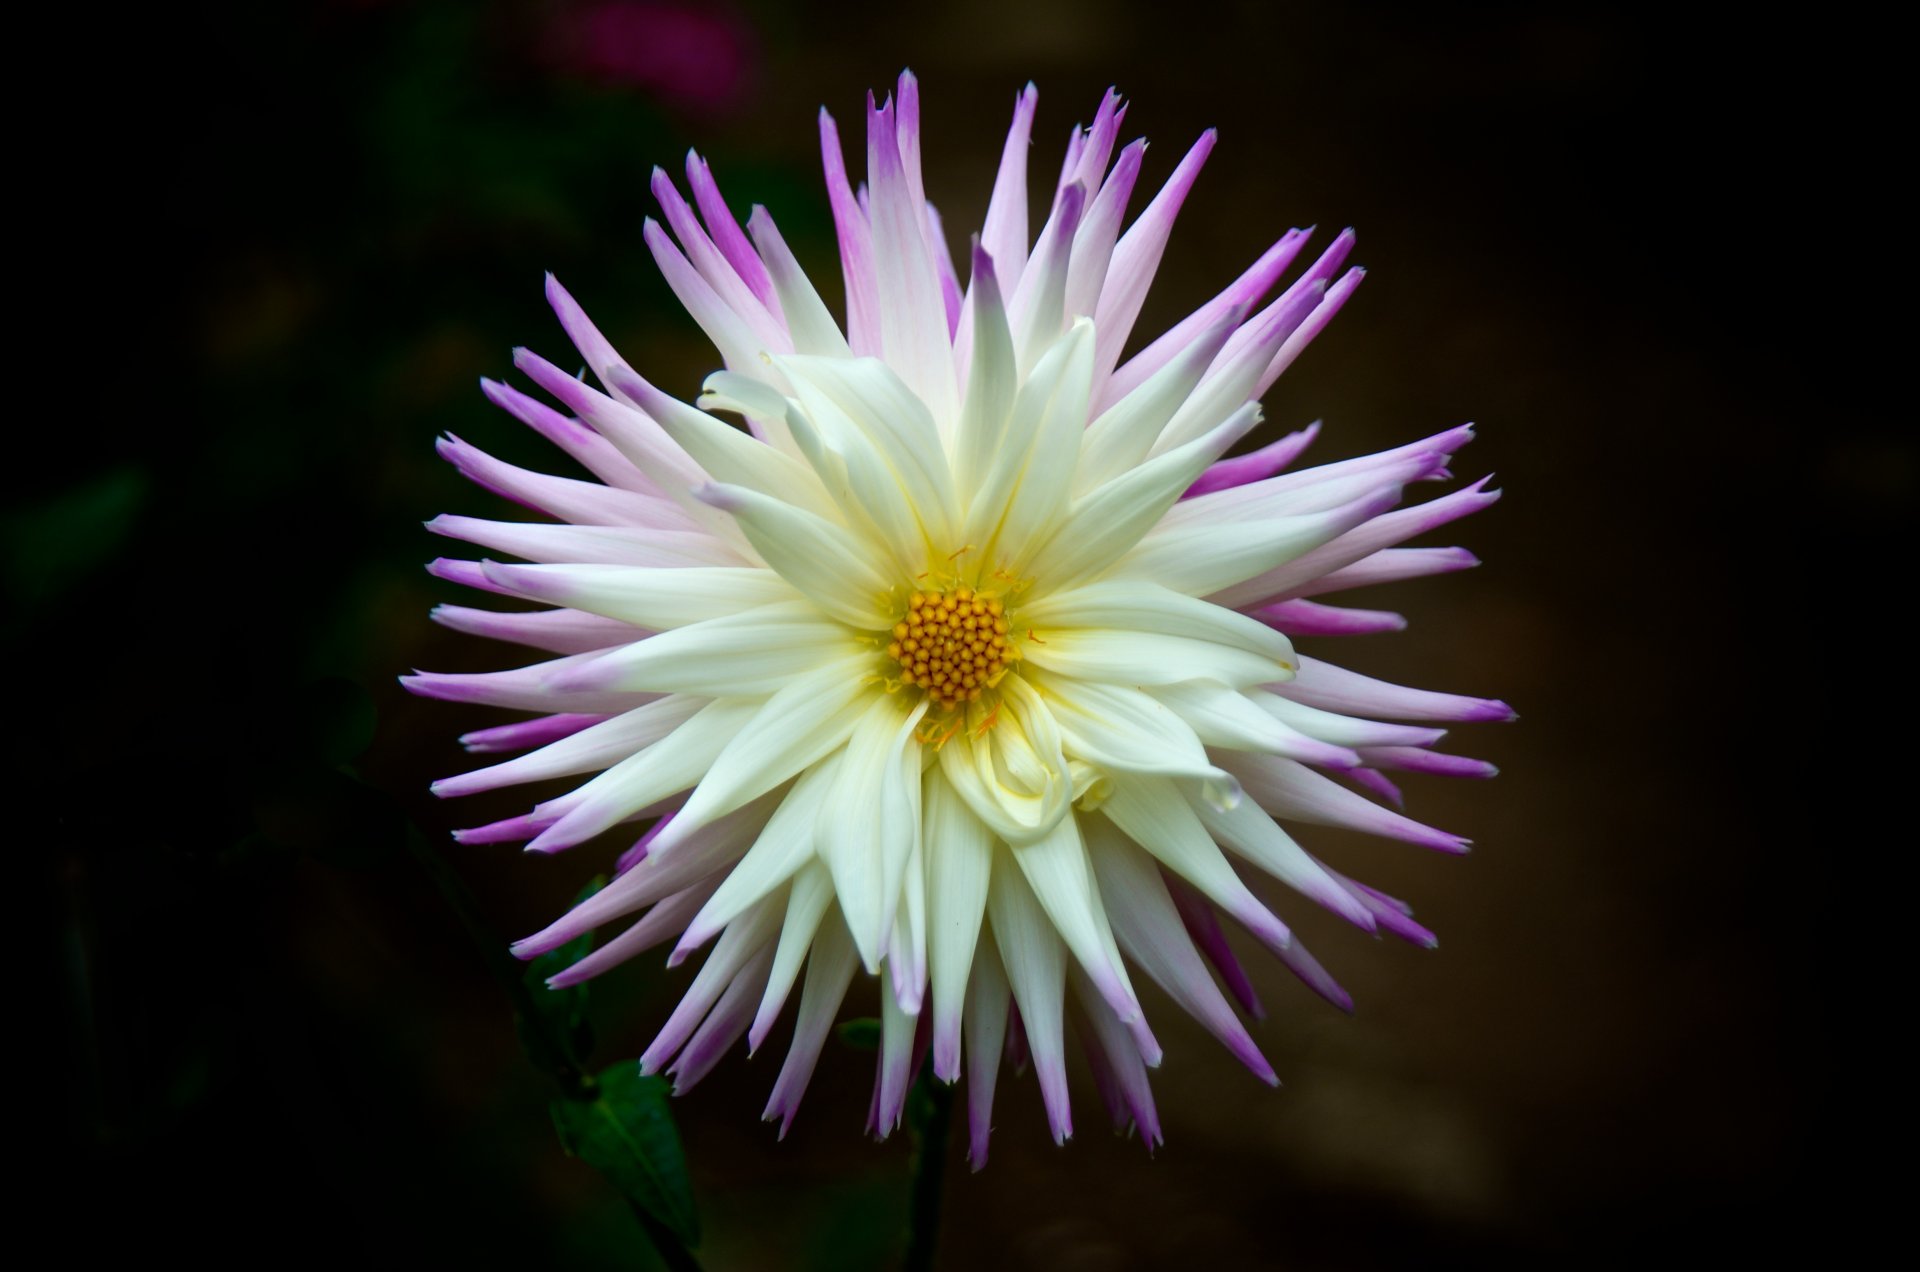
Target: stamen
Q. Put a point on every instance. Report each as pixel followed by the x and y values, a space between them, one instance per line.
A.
pixel 953 644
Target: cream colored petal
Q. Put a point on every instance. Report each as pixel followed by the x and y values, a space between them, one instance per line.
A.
pixel 1047 397
pixel 1123 730
pixel 753 653
pixel 808 899
pixel 656 598
pixel 1131 605
pixel 1049 417
pixel 895 422
pixel 1103 525
pixel 1056 869
pixel 869 823
pixel 799 726
pixel 1145 658
pixel 830 565
pixel 993 380
pixel 729 454
pixel 1211 559
pixel 1153 813
pixel 1125 431
pixel 783 847
pixel 1014 775
pixel 959 858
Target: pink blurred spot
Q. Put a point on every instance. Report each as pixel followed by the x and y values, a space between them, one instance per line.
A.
pixel 699 57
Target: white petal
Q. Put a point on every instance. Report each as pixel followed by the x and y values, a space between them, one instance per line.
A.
pixel 656 598
pixel 745 937
pixel 1291 789
pixel 830 968
pixel 807 903
pixel 1149 929
pixel 1220 716
pixel 829 564
pixel 813 327
pixel 1123 730
pixel 1004 231
pixel 993 380
pixel 1128 605
pixel 1125 431
pixel 1145 658
pixel 668 767
pixel 1025 492
pixel 1217 559
pixel 959 861
pixel 1253 835
pixel 754 652
pixel 1103 525
pixel 1340 730
pixel 587 751
pixel 913 319
pixel 604 545
pixel 870 395
pixel 1036 966
pixel 796 727
pixel 1037 308
pixel 985 1033
pixel 1056 868
pixel 1153 813
pixel 1013 775
pixel 889 1100
pixel 782 849
pixel 869 824
pixel 726 453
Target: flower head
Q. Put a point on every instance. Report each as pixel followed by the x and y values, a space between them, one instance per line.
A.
pixel 967 663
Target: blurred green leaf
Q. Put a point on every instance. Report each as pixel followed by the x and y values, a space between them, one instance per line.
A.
pixel 563 1012
pixel 334 719
pixel 53 545
pixel 862 1033
pixel 626 1132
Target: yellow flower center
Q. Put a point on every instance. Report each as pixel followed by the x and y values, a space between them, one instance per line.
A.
pixel 953 644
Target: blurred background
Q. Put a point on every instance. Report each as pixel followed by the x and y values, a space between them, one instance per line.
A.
pixel 1608 237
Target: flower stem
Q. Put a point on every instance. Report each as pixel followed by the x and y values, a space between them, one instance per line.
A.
pixel 549 1052
pixel 930 1114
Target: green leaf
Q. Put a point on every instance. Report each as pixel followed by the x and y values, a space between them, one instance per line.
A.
pixel 627 1133
pixel 563 1012
pixel 862 1033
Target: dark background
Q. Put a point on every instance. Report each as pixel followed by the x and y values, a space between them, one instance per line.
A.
pixel 1643 252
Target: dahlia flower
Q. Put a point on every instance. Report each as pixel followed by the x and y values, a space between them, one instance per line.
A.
pixel 967 664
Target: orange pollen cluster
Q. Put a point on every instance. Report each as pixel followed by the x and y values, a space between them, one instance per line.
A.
pixel 953 645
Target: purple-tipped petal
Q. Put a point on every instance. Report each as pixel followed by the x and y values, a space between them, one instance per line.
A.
pixel 1308 969
pixel 593 452
pixel 856 245
pixel 1203 925
pixel 727 234
pixel 1377 782
pixel 1004 233
pixel 1244 294
pixel 1290 789
pixel 1306 618
pixel 580 502
pixel 1330 688
pixel 1238 470
pixel 556 631
pixel 1391 565
pixel 1413 759
pixel 528 733
pixel 1137 258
